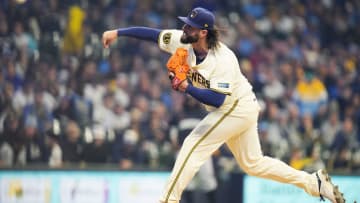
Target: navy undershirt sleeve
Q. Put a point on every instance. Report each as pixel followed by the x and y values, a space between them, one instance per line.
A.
pixel 206 96
pixel 143 33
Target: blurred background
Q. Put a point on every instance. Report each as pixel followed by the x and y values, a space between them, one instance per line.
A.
pixel 74 115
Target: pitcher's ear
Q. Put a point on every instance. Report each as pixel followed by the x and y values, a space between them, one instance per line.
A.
pixel 203 32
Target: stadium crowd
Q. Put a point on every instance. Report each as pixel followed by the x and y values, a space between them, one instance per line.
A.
pixel 64 99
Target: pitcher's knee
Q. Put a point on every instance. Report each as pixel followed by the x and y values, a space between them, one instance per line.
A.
pixel 253 167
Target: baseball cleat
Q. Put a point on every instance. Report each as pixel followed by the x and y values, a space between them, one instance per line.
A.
pixel 327 189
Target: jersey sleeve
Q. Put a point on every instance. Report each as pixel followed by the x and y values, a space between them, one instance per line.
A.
pixel 169 40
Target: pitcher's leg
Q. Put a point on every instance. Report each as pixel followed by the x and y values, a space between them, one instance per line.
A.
pixel 247 151
pixel 191 156
pixel 208 135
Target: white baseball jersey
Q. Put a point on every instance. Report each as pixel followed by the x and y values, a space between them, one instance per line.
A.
pixel 220 70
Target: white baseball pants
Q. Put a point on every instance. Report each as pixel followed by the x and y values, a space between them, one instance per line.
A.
pixel 237 127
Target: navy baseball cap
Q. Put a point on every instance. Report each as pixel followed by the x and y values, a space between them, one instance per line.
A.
pixel 200 18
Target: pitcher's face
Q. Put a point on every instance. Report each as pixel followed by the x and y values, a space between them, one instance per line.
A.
pixel 190 34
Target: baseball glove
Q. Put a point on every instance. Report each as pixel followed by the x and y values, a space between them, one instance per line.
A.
pixel 178 67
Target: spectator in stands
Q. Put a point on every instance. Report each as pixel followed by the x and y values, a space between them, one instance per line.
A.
pixel 54 151
pixel 310 94
pixel 71 143
pixel 81 109
pixel 141 105
pixel 340 161
pixel 121 118
pixel 309 134
pixel 4 27
pixel 298 160
pixel 74 35
pixel 6 153
pixel 122 90
pixel 103 113
pixel 273 88
pixel 275 135
pixel 345 137
pixel 157 145
pixel 293 125
pixel 344 144
pixel 34 141
pixel 329 128
pixel 8 138
pixel 127 151
pixel 11 75
pixel 24 96
pixel 7 94
pixel 98 151
pixel 38 110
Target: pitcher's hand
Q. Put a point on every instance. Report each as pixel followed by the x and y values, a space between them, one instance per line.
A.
pixel 108 37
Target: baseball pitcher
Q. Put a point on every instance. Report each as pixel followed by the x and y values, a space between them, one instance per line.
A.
pixel 208 70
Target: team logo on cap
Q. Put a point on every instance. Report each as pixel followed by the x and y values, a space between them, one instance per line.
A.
pixel 193 14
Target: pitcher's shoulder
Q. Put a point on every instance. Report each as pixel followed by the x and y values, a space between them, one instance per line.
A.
pixel 225 52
